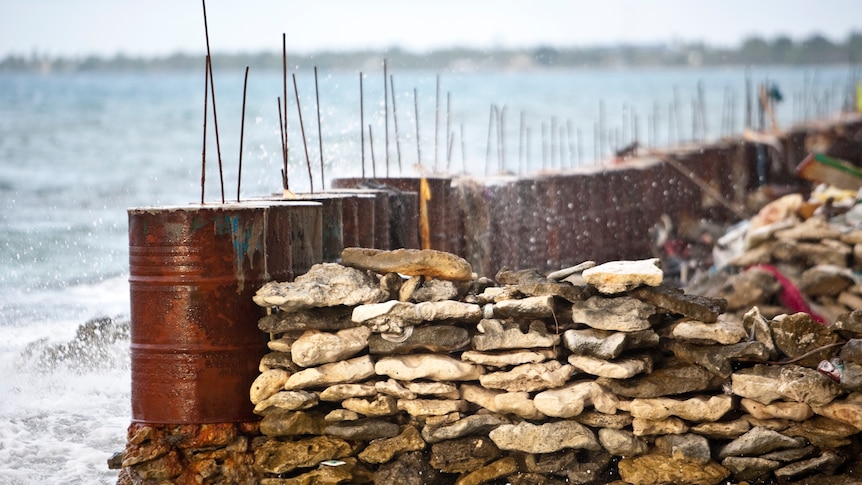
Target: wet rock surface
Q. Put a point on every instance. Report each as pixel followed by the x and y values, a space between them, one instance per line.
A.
pixel 643 384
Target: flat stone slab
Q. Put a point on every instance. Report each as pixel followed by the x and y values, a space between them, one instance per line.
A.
pixel 517 403
pixel 725 330
pixel 694 409
pixel 497 335
pixel 759 441
pixel 617 369
pixel 432 338
pixel 427 366
pixel 544 438
pixel 410 262
pixel 324 285
pixel 570 401
pixel 619 276
pixel 529 377
pixel 503 359
pixel 315 347
pixel 766 384
pixel 604 344
pixel 532 283
pixel 675 300
pixel 621 314
pixel 342 372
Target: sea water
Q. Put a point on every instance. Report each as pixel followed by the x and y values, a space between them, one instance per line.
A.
pixel 78 149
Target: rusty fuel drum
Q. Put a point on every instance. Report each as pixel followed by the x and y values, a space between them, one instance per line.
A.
pixel 195 346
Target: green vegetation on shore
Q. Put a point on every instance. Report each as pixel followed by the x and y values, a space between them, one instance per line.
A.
pixel 781 50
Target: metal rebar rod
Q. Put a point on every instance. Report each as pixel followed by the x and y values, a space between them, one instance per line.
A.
pixel 570 132
pixel 204 150
pixel 284 180
pixel 212 93
pixel 304 142
pixel 285 146
pixel 319 130
pixel 371 147
pixel 395 123
pixel 241 134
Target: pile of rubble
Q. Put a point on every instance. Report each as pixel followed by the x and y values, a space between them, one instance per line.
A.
pixel 403 367
pixel 791 258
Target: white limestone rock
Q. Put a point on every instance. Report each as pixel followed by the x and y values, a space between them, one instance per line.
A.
pixel 315 347
pixel 431 407
pixel 381 405
pixel 427 366
pixel 617 369
pixel 794 411
pixel 496 335
pixel 517 403
pixel 621 442
pixel 619 276
pixel 544 438
pixel 267 384
pixel 287 401
pixel 504 359
pixel 340 392
pixel 648 427
pixel 442 390
pixel 725 331
pixel 570 401
pixel 697 409
pixel 324 285
pixel 394 388
pixel 349 371
pixel 620 314
pixel 765 384
pixel 529 377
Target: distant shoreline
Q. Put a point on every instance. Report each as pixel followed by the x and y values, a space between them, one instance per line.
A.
pixel 817 50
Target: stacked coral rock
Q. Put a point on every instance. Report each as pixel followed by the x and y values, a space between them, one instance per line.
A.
pixel 403 367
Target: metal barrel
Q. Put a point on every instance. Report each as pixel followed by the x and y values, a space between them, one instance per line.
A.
pixel 361 228
pixel 332 223
pixel 305 220
pixel 443 221
pixel 195 345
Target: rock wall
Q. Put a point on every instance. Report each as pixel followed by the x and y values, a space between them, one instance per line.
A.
pixel 587 375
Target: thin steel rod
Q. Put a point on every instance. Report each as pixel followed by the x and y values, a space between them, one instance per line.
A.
pixel 319 130
pixel 204 150
pixel 241 134
pixel 304 142
pixel 371 147
pixel 284 181
pixel 450 140
pixel 362 123
pixel 395 122
pixel 284 142
pixel 212 93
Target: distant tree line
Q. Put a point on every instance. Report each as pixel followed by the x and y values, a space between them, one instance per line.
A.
pixel 781 50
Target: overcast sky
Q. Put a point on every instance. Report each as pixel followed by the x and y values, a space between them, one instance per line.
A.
pixel 159 27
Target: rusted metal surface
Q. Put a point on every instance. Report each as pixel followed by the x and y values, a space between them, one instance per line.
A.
pixel 445 225
pixel 332 228
pixel 306 232
pixel 195 346
pixel 361 228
